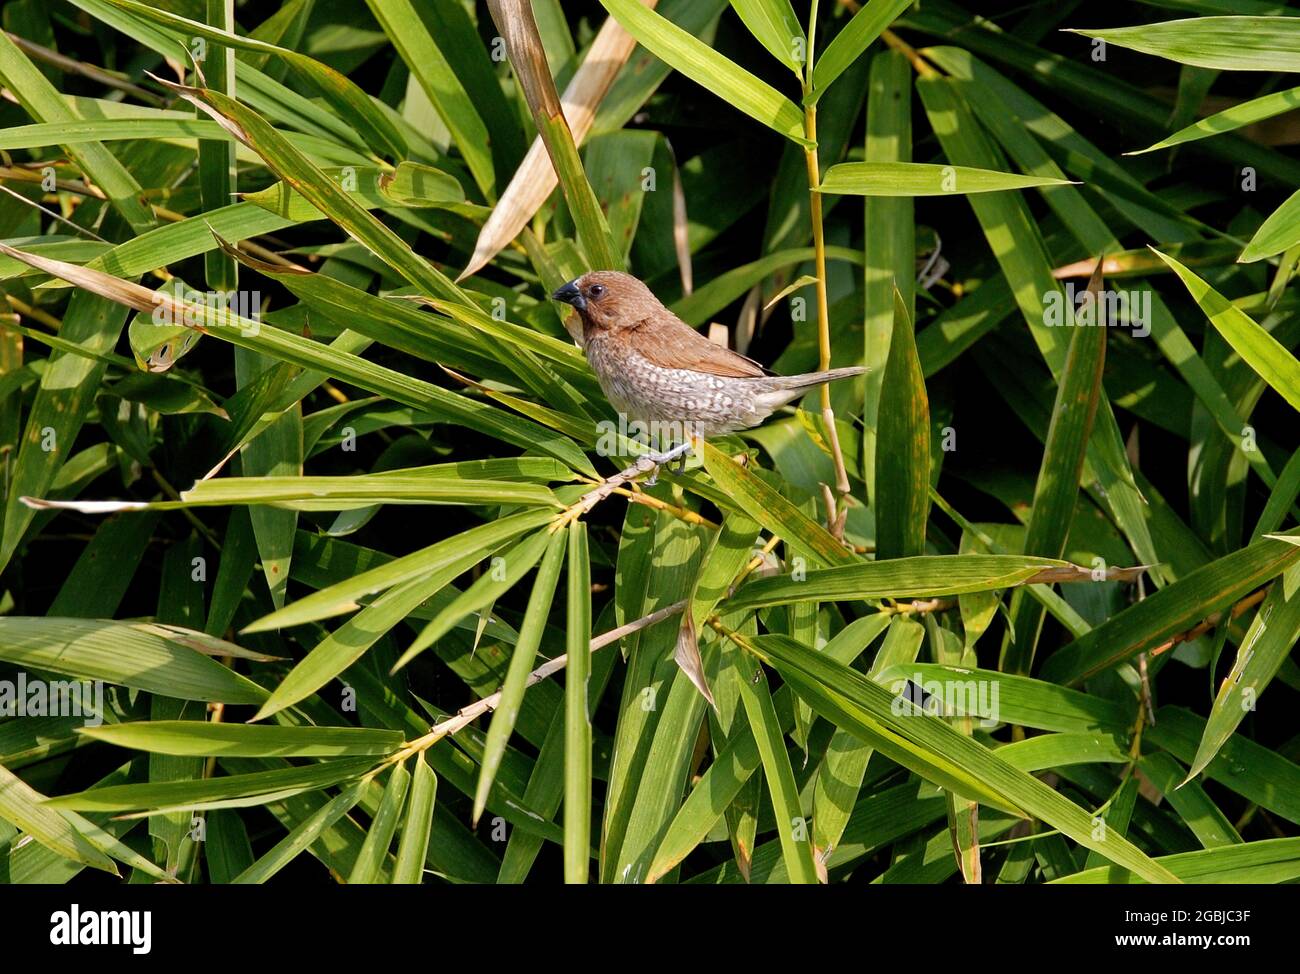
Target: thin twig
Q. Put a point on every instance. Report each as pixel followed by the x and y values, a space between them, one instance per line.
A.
pixel 95 73
pixel 466 715
pixel 1210 622
pixel 584 505
pixel 649 500
pixel 919 606
pixel 836 512
pixel 922 67
pixel 52 215
pixel 36 314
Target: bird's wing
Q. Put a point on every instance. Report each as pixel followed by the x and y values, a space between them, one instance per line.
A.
pixel 670 343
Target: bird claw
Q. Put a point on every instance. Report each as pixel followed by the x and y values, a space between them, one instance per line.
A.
pixel 674 459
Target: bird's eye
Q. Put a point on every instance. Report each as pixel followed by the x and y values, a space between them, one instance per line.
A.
pixel 596 290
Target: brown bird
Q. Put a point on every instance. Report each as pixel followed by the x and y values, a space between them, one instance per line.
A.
pixel 656 369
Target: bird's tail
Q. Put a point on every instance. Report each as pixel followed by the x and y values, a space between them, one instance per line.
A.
pixel 798 383
pixel 787 388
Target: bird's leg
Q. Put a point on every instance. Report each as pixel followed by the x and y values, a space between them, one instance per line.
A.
pixel 675 456
pixel 646 462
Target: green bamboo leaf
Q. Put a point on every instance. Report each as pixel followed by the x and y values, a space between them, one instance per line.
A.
pixel 369 866
pixel 923 179
pixel 774 511
pixel 1089 229
pixel 697 307
pixel 1265 861
pixel 329 197
pixel 1278 233
pixel 939 753
pixel 577 733
pixel 1280 498
pixel 903 446
pixel 429 67
pixel 411 184
pixel 254 788
pixel 774 25
pixel 417 824
pixel 521 664
pixel 1271 636
pixel 706 67
pixel 791 826
pixel 343 647
pixel 889 242
pixel 162 125
pixel 663 774
pixel 1205 820
pixel 352 104
pixel 867 24
pixel 217 164
pixel 1226 43
pixel 301 836
pixel 343 493
pixel 189 737
pixel 736 762
pixel 27 809
pixel 45 104
pixel 1258 774
pixel 344 596
pixel 991 695
pixel 658 558
pixel 1246 113
pixel 1264 353
pixel 67 391
pixel 1168 612
pixel 728 552
pixel 167 660
pixel 1057 489
pixel 1125 102
pixel 839 779
pixel 481 595
pixel 1014 238
pixel 277 452
pixel 900 578
pixel 616 164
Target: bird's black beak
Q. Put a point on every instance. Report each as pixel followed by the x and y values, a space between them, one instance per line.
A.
pixel 570 294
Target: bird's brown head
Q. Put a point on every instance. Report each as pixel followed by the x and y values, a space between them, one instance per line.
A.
pixel 609 299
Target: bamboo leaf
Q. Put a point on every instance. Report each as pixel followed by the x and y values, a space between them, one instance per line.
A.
pixel 1246 113
pixel 190 737
pixel 867 24
pixel 578 732
pixel 933 749
pixel 416 825
pixel 903 446
pixel 775 26
pixel 1064 457
pixel 922 179
pixel 521 663
pixel 1226 43
pixel 369 865
pixel 1264 353
pixel 703 65
pixel 25 807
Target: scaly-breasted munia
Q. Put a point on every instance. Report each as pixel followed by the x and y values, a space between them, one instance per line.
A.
pixel 658 370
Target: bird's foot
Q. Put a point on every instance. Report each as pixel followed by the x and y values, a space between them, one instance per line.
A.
pixel 676 457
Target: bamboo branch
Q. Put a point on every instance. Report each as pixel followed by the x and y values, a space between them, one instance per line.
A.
pixel 836 511
pixel 467 715
pixel 1211 621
